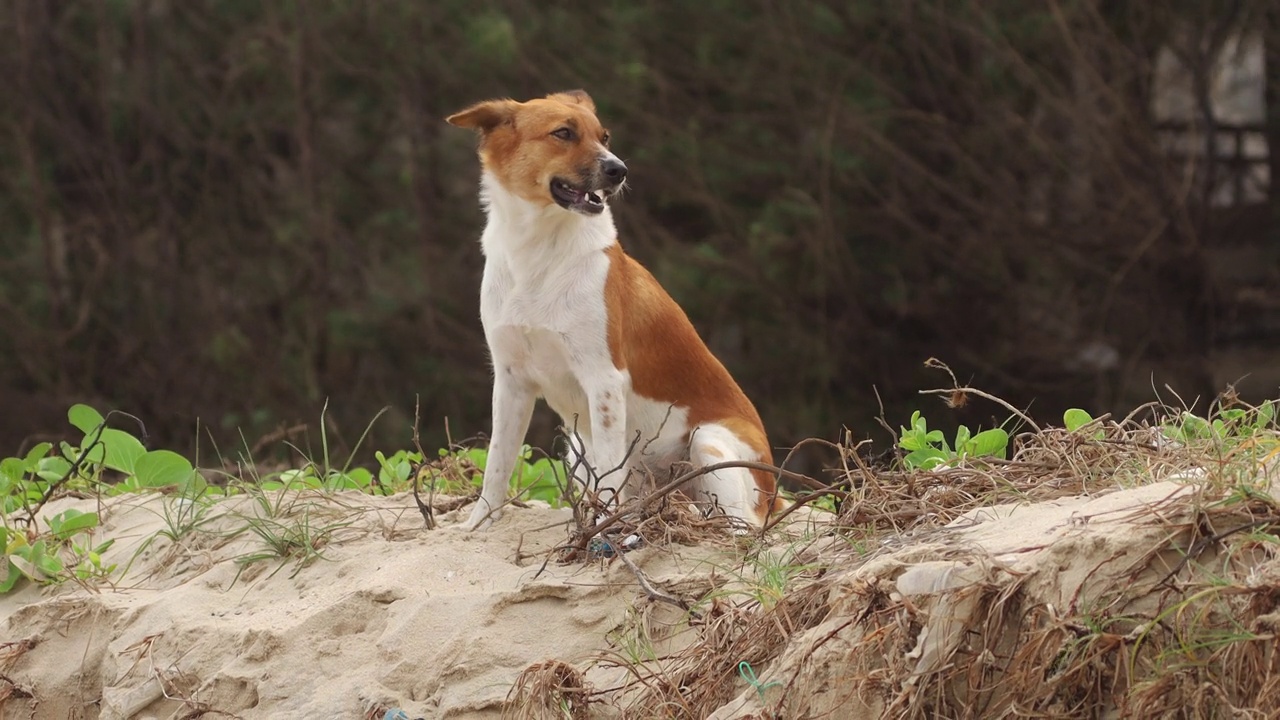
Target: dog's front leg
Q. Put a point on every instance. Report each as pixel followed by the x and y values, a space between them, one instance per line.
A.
pixel 607 398
pixel 512 408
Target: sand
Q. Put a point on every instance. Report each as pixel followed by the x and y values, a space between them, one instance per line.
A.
pixel 440 623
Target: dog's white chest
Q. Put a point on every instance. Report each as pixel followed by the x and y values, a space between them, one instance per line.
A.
pixel 545 324
pixel 537 356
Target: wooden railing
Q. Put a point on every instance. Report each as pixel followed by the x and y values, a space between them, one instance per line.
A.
pixel 1230 162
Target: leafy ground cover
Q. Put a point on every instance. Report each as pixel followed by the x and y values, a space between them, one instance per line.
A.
pixel 110 461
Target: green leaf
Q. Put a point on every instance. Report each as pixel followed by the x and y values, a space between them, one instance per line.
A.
pixel 911 441
pixel 394 474
pixel 163 468
pixel 962 438
pixel 925 459
pixel 1075 418
pixel 1266 414
pixel 1219 429
pixel 122 450
pixel 13 469
pixel 35 562
pixel 340 481
pixel 49 563
pixel 84 418
pixel 36 454
pixel 9 575
pixel 1233 414
pixel 196 487
pixel 990 443
pixel 1196 427
pixel 71 521
pixel 361 477
pixel 53 468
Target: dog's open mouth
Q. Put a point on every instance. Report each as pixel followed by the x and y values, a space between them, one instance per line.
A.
pixel 571 198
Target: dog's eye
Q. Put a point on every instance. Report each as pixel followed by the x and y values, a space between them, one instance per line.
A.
pixel 605 139
pixel 563 133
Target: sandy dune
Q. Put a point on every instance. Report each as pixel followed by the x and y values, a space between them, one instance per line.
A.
pixel 437 623
pixel 441 623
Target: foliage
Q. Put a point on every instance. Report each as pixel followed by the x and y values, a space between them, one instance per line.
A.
pixel 1232 425
pixel 1075 418
pixel 59 554
pixel 235 210
pixel 460 471
pixel 111 462
pixel 928 449
pixel 68 545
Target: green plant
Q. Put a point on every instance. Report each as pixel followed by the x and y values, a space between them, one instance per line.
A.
pixel 1074 419
pixel 775 573
pixel 461 471
pixel 45 557
pixel 110 461
pixel 32 560
pixel 287 535
pixel 632 640
pixel 323 474
pixel 928 449
pixel 88 563
pixel 1229 426
pixel 314 477
pixel 104 448
pixel 394 471
pixel 107 460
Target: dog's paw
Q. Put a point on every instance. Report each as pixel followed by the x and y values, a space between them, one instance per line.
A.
pixel 481 518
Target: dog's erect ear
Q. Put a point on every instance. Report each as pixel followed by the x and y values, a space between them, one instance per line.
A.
pixel 574 97
pixel 484 116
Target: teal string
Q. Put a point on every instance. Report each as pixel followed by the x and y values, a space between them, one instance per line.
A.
pixel 745 671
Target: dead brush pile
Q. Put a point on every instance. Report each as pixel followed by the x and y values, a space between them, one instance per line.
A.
pixel 1045 465
pixel 1110 571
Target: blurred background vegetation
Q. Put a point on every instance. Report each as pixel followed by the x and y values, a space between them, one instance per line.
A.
pixel 233 211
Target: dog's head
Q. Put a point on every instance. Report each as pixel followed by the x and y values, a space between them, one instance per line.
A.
pixel 551 150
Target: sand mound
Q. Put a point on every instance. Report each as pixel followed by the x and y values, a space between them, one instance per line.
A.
pixel 1155 599
pixel 437 623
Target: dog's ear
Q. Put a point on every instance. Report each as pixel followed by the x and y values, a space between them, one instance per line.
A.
pixel 574 97
pixel 484 116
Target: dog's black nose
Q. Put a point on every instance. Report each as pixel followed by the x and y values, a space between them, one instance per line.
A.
pixel 614 169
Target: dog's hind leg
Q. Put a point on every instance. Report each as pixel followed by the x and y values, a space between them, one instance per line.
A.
pixel 733 491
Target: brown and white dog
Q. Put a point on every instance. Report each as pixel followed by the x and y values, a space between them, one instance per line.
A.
pixel 569 317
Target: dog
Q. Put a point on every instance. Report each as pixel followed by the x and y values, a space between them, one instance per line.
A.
pixel 569 317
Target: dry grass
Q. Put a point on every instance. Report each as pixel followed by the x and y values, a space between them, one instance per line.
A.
pixel 1045 465
pixel 549 690
pixel 662 517
pixel 1174 614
